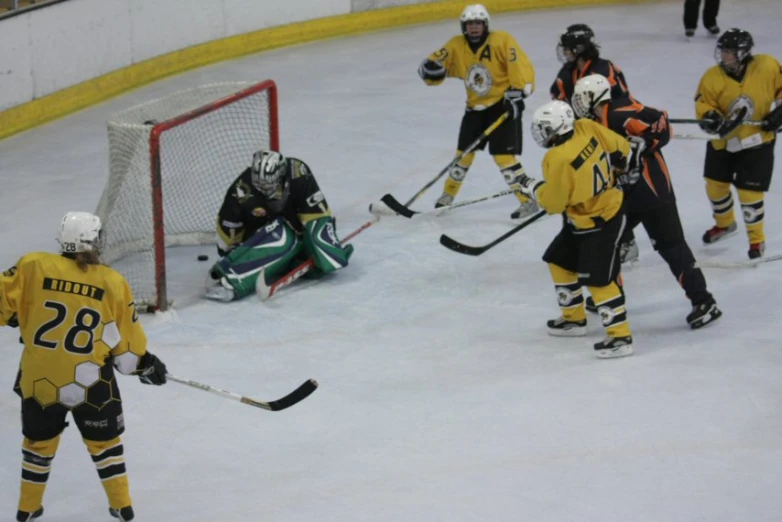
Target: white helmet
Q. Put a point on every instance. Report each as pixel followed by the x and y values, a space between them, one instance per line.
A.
pixel 552 119
pixel 589 92
pixel 79 232
pixel 267 172
pixel 474 13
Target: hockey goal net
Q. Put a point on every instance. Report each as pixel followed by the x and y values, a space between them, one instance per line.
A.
pixel 171 161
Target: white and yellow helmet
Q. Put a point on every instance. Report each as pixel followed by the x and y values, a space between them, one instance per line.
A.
pixel 79 232
pixel 588 93
pixel 552 119
pixel 474 13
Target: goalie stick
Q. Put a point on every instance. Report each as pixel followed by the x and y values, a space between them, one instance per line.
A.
pixel 265 290
pixel 294 397
pixel 461 248
pixel 470 148
pixel 402 210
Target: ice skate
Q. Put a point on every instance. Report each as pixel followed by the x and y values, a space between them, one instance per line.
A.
pixel 561 327
pixel 124 515
pixel 756 250
pixel 525 210
pixel 703 314
pixel 716 233
pixel 24 516
pixel 611 347
pixel 444 200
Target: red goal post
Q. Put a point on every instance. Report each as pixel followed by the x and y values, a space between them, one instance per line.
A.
pixel 171 161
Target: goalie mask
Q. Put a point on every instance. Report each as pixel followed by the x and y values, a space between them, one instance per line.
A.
pixel 268 172
pixel 80 232
pixel 733 50
pixel 552 123
pixel 590 91
pixel 475 13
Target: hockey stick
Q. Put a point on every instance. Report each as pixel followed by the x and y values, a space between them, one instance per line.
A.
pixel 755 123
pixel 470 148
pixel 265 291
pixel 294 397
pixel 461 248
pixel 740 264
pixel 402 210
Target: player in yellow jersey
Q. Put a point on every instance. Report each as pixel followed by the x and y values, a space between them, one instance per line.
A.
pixel 743 155
pixel 78 322
pixel 579 172
pixel 497 76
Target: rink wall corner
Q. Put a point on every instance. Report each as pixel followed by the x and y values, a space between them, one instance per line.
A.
pixel 52 68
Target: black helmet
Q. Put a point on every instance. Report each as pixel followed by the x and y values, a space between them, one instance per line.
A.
pixel 740 42
pixel 580 40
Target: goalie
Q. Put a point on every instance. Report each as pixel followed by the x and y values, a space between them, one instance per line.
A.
pixel 273 216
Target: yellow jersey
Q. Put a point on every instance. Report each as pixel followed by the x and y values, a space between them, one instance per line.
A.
pixel 578 178
pixel 71 322
pixel 496 66
pixel 760 85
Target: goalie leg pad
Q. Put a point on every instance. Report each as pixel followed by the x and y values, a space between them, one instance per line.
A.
pixel 272 248
pixel 323 246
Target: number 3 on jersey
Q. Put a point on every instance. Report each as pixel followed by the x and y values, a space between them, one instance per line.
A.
pixel 79 337
pixel 601 179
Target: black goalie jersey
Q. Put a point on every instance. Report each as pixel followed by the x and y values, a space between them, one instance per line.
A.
pixel 245 210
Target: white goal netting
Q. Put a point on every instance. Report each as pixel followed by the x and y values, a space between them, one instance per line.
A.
pixel 207 136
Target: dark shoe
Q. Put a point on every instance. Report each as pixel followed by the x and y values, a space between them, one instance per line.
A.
pixel 714 29
pixel 124 515
pixel 24 516
pixel 561 327
pixel 614 347
pixel 716 233
pixel 703 314
pixel 756 250
pixel 689 33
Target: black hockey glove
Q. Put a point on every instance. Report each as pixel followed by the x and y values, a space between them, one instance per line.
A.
pixel 773 122
pixel 431 70
pixel 153 371
pixel 635 164
pixel 514 101
pixel 712 122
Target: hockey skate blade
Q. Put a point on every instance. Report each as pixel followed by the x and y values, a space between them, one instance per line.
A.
pixel 621 351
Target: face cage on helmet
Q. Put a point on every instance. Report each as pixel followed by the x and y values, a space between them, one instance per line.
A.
pixel 740 54
pixel 542 134
pixel 583 105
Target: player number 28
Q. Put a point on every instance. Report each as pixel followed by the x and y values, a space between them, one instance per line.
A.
pixel 81 330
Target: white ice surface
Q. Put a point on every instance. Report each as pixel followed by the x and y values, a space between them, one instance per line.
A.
pixel 442 398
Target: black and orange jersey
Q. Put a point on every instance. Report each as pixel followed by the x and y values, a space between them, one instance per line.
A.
pixel 628 117
pixel 757 89
pixel 570 73
pixel 73 323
